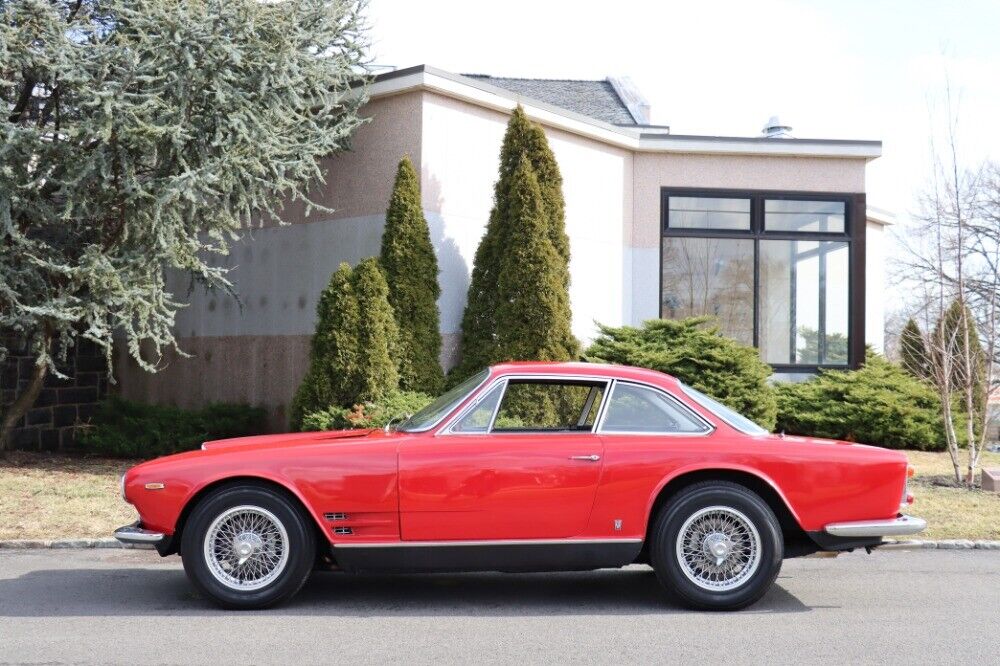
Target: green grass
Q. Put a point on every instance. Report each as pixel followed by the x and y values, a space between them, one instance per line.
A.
pixel 51 497
pixel 952 511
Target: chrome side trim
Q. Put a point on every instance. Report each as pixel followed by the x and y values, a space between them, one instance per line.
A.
pixel 497 542
pixel 899 526
pixel 135 534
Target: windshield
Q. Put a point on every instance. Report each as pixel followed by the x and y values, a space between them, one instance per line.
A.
pixel 736 420
pixel 429 416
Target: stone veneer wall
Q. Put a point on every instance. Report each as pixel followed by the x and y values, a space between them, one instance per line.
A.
pixel 62 404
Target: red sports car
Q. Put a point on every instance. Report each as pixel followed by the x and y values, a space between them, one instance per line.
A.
pixel 523 467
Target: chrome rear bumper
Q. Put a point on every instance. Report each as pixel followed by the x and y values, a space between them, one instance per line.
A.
pixel 899 526
pixel 136 536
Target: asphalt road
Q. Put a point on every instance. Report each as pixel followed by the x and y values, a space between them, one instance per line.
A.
pixel 113 606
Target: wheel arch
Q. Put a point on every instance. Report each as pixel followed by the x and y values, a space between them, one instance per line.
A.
pixel 288 491
pixel 797 541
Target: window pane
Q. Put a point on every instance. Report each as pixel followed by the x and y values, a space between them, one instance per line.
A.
pixel 710 276
pixel 428 417
pixel 706 213
pixel 478 420
pixel 529 405
pixel 637 409
pixel 803 302
pixel 733 418
pixel 788 215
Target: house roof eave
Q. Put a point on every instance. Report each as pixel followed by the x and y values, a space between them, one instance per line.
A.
pixel 639 139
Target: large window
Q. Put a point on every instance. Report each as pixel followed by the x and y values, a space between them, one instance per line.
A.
pixel 776 270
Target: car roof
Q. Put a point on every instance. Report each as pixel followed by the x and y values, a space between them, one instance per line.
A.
pixel 583 369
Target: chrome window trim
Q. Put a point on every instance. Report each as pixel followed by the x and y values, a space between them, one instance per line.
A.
pixel 710 427
pixel 450 428
pixel 446 431
pixel 486 542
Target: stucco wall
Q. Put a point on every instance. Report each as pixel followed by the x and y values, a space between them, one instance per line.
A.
pixel 460 157
pixel 875 258
pixel 358 182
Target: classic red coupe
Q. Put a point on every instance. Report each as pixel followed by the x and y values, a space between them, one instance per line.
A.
pixel 523 467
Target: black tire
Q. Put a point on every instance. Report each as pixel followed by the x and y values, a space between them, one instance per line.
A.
pixel 300 547
pixel 688 503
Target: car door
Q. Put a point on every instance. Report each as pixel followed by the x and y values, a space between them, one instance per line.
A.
pixel 648 433
pixel 521 462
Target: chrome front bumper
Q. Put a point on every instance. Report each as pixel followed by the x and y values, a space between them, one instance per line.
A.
pixel 899 526
pixel 136 536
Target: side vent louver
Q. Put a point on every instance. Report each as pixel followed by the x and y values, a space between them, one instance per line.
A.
pixel 343 530
pixel 335 516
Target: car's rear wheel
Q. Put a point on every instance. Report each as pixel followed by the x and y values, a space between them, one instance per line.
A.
pixel 247 546
pixel 716 546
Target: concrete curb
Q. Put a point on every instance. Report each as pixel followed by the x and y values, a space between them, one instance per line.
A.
pixel 890 544
pixel 34 544
pixel 944 544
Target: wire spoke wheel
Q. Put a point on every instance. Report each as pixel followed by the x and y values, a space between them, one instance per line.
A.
pixel 246 548
pixel 718 548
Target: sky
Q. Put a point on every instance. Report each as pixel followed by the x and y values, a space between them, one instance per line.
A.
pixel 845 69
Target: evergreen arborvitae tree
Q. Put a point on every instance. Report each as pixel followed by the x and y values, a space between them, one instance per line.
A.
pixel 912 351
pixel 480 322
pixel 411 271
pixel 334 356
pixel 377 335
pixel 533 311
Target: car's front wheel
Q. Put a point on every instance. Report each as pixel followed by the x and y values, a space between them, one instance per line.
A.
pixel 716 546
pixel 247 546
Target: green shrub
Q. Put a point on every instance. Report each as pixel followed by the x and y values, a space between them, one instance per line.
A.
pixel 135 430
pixel 378 337
pixel 879 404
pixel 333 354
pixel 697 354
pixel 411 271
pixel 374 414
pixel 534 212
pixel 353 352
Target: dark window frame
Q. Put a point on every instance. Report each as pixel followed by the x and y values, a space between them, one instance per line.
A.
pixel 855 221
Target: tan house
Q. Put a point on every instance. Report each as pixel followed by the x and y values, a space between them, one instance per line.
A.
pixel 769 233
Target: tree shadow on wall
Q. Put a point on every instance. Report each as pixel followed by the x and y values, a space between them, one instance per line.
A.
pixel 453 269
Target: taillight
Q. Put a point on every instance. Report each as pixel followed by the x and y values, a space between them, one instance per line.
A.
pixel 907 499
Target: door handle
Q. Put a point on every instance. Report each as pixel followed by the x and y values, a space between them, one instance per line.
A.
pixel 591 458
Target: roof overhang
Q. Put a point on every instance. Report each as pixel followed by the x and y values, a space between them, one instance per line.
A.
pixel 879 215
pixel 639 138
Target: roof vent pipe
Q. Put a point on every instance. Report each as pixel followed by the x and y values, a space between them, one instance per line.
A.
pixel 774 129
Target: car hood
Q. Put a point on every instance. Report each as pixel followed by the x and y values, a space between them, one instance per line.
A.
pixel 286 439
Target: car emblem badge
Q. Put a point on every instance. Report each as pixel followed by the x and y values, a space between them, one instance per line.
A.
pixel 618 524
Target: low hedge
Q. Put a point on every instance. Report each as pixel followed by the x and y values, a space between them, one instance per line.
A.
pixel 880 404
pixel 127 429
pixel 375 414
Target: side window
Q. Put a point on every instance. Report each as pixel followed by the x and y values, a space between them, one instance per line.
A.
pixel 549 406
pixel 478 418
pixel 638 409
